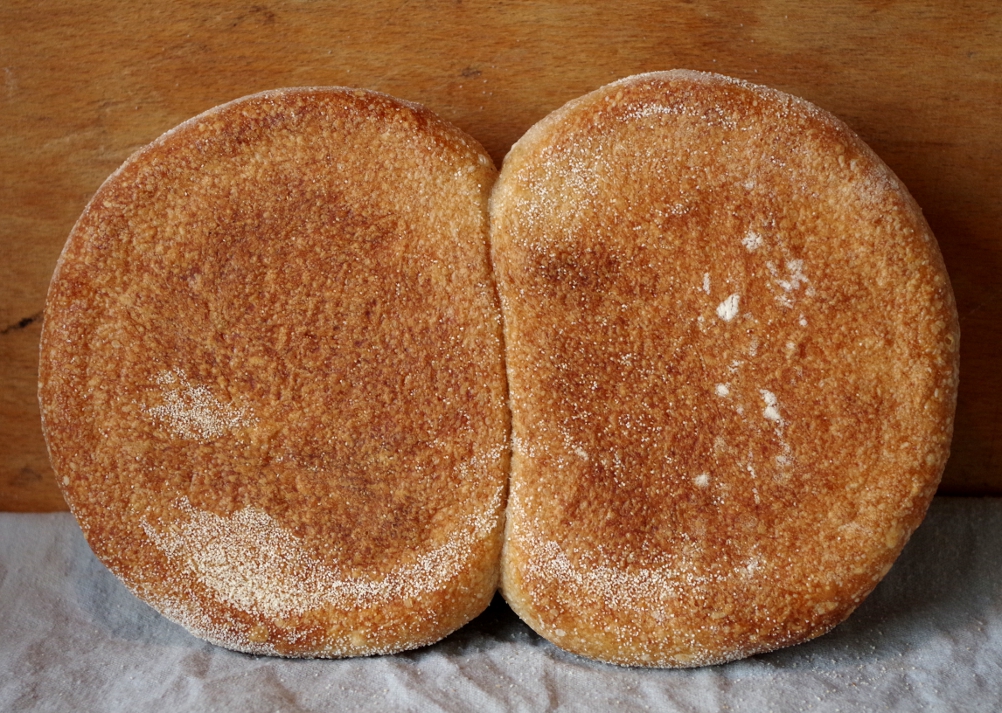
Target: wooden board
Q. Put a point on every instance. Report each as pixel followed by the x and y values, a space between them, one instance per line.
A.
pixel 85 83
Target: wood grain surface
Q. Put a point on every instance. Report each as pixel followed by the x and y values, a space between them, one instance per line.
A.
pixel 87 82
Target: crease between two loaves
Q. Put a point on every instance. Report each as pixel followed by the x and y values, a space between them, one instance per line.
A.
pixel 316 380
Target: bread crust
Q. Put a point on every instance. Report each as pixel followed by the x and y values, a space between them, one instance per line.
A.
pixel 272 380
pixel 732 354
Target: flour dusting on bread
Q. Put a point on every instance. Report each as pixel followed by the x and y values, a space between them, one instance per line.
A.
pixel 193 411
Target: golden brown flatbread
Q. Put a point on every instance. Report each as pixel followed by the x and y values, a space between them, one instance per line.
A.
pixel 731 348
pixel 272 376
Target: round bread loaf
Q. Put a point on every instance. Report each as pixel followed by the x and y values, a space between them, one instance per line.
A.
pixel 732 355
pixel 272 378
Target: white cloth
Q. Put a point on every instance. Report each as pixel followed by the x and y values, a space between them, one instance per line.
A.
pixel 72 638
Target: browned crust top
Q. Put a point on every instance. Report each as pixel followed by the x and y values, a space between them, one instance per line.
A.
pixel 732 352
pixel 272 379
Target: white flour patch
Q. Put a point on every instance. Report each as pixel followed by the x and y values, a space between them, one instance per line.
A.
pixel 250 562
pixel 714 118
pixel 246 559
pixel 752 241
pixel 722 390
pixel 640 589
pixel 728 309
pixel 796 275
pixel 794 279
pixel 751 471
pixel 645 591
pixel 658 110
pixel 194 412
pixel 706 282
pixel 771 411
pixel 702 480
